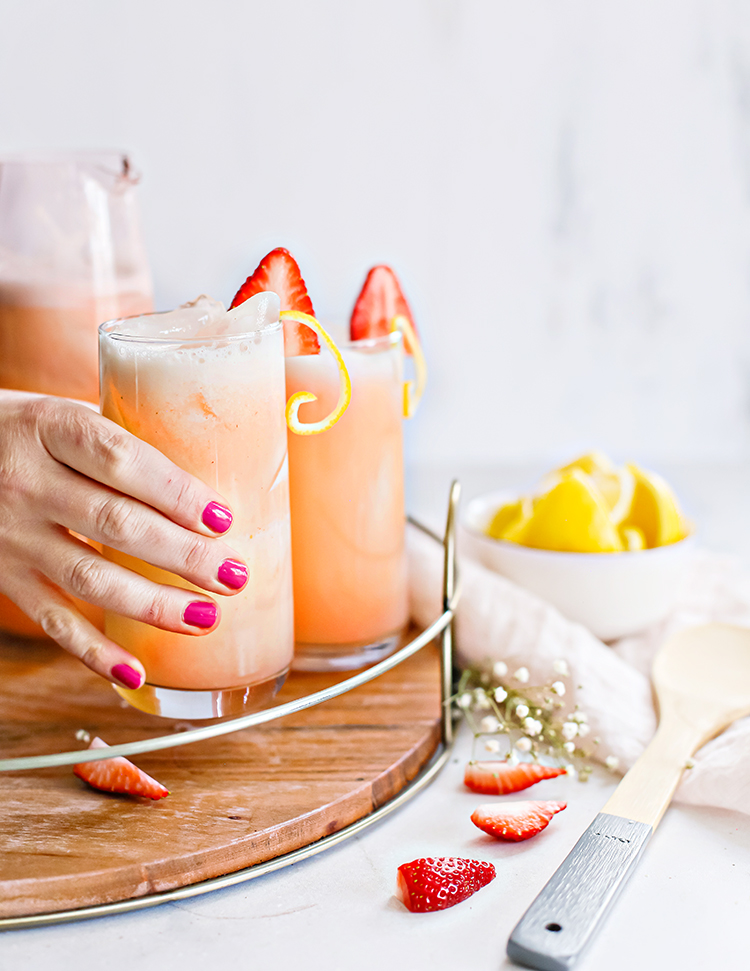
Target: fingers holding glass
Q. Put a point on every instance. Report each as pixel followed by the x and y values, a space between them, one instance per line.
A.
pixel 105 452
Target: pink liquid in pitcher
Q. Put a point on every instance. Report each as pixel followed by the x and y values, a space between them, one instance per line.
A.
pixel 48 344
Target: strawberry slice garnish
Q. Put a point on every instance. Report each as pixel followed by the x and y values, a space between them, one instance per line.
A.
pixel 434 884
pixel 278 271
pixel 515 821
pixel 118 775
pixel 380 300
pixel 499 778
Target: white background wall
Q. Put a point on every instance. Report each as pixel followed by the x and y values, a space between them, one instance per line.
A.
pixel 563 186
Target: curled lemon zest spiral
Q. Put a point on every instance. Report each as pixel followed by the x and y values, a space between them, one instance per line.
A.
pixel 302 397
pixel 413 390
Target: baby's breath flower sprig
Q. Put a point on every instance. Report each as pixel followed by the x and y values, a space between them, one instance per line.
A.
pixel 506 712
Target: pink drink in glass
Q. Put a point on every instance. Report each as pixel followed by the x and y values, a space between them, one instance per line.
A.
pixel 206 388
pixel 347 502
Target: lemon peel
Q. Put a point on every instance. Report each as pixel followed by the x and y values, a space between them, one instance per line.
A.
pixel 632 538
pixel 413 390
pixel 303 397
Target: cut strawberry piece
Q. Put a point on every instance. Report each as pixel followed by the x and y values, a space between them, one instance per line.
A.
pixel 380 300
pixel 515 821
pixel 499 778
pixel 434 884
pixel 118 775
pixel 278 271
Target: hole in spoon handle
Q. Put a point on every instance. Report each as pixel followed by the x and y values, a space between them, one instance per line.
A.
pixel 562 920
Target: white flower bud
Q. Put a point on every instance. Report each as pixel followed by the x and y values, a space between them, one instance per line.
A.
pixel 569 730
pixel 465 700
pixel 571 770
pixel 500 695
pixel 492 745
pixel 499 669
pixel 481 699
pixel 531 726
pixel 583 729
pixel 489 724
pixel 611 762
pixel 579 716
pixel 523 745
pixel 558 687
pixel 561 667
pixel 570 747
pixel 522 675
pixel 522 711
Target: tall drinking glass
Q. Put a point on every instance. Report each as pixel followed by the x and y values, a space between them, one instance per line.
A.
pixel 206 388
pixel 71 256
pixel 347 502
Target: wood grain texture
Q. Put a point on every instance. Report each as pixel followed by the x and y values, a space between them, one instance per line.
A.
pixel 235 801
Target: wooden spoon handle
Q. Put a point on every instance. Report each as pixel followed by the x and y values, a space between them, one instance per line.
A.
pixel 564 917
pixel 647 789
pixel 562 920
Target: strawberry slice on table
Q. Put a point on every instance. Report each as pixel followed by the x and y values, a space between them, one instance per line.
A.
pixel 437 883
pixel 499 778
pixel 118 775
pixel 278 271
pixel 380 300
pixel 515 821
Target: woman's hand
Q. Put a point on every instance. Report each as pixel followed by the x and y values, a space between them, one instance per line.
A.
pixel 64 467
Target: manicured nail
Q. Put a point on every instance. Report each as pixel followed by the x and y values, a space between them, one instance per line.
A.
pixel 233 574
pixel 216 517
pixel 200 614
pixel 127 676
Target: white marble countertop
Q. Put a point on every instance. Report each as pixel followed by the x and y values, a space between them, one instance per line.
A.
pixel 683 907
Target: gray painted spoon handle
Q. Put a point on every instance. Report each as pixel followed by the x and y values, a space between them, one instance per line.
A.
pixel 564 917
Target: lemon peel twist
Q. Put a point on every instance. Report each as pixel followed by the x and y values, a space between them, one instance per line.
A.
pixel 303 397
pixel 413 390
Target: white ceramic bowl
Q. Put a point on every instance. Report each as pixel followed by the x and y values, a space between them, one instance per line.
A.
pixel 613 594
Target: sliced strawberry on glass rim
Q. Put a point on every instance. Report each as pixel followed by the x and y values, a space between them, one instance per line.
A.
pixel 499 778
pixel 515 821
pixel 278 271
pixel 380 309
pixel 438 883
pixel 118 775
pixel 380 300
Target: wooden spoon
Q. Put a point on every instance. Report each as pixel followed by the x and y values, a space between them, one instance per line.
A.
pixel 701 679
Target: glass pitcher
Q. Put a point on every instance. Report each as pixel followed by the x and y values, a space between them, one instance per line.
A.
pixel 71 256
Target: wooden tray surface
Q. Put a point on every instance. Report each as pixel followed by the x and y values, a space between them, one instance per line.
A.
pixel 235 801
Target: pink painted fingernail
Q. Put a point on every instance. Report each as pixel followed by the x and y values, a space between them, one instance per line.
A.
pixel 217 517
pixel 233 574
pixel 200 614
pixel 127 676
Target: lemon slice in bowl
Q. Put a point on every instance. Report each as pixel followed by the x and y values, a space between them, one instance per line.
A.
pixel 572 516
pixel 616 484
pixel 654 510
pixel 302 397
pixel 510 520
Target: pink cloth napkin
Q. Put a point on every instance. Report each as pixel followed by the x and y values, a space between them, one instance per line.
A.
pixel 497 620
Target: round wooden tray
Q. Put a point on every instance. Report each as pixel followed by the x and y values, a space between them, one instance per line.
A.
pixel 241 802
